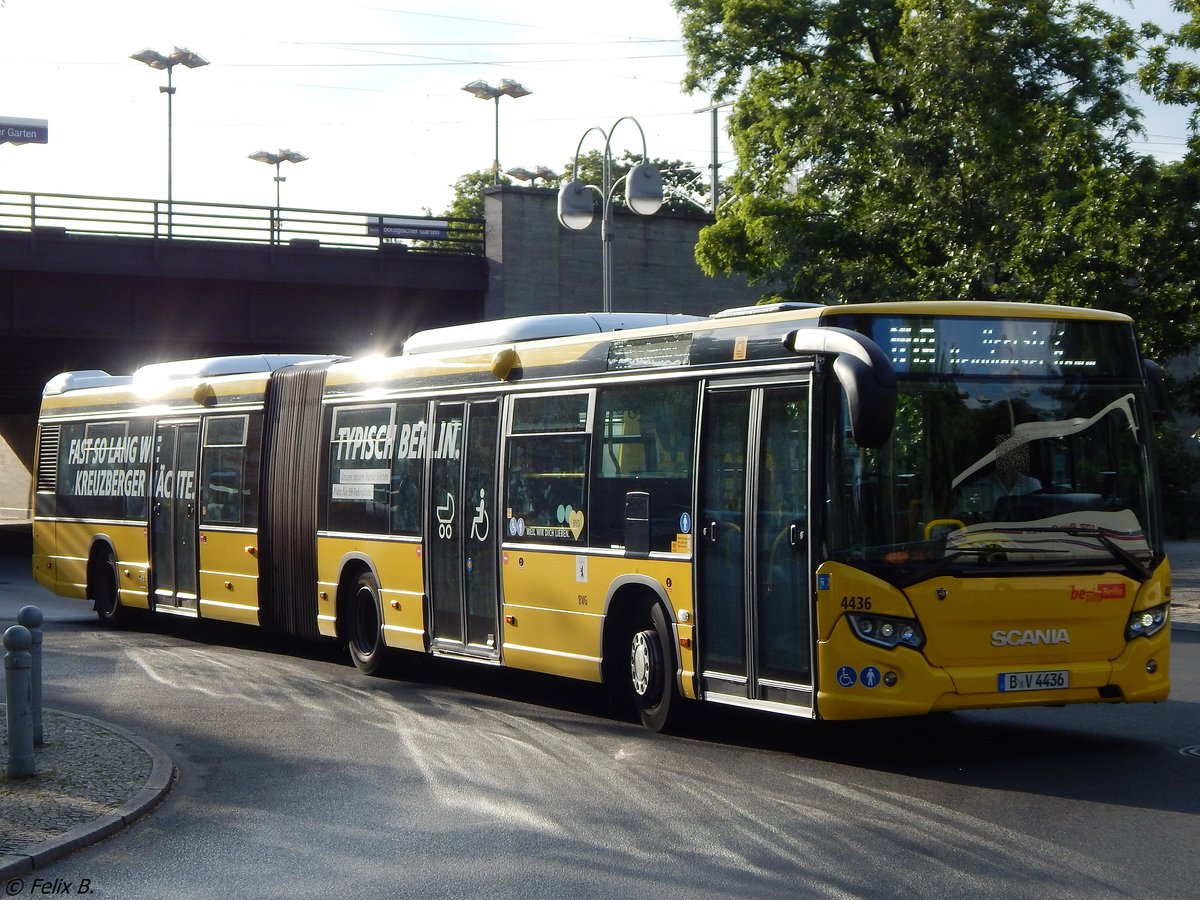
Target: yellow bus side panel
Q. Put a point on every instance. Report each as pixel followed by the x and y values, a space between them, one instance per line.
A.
pixel 553 609
pixel 229 576
pixel 61 556
pixel 45 555
pixel 399 567
pixel 674 577
pixel 553 613
pixel 534 637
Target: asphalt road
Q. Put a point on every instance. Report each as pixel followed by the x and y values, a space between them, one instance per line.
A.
pixel 300 778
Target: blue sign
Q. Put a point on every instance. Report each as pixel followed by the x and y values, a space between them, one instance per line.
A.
pixel 869 677
pixel 846 676
pixel 685 523
pixel 396 227
pixel 822 582
pixel 24 131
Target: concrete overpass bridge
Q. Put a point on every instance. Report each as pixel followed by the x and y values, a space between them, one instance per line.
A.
pixel 114 283
pixel 107 283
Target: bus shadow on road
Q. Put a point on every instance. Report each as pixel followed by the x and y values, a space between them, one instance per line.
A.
pixel 1084 752
pixel 1119 755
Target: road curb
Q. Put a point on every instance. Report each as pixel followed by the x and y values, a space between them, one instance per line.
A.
pixel 158 785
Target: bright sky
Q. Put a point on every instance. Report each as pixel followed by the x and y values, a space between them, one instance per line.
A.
pixel 369 90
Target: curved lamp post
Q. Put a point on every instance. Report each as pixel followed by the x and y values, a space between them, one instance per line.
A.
pixel 156 60
pixel 643 193
pixel 484 91
pixel 275 159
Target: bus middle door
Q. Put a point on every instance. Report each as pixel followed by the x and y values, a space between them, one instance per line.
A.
pixel 463 529
pixel 174 565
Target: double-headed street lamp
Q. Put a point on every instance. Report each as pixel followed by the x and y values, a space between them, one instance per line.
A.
pixel 484 91
pixel 542 172
pixel 156 60
pixel 277 159
pixel 643 193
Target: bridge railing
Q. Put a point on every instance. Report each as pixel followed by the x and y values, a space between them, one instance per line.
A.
pixel 180 220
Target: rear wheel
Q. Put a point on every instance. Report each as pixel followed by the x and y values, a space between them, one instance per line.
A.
pixel 102 589
pixel 364 626
pixel 652 670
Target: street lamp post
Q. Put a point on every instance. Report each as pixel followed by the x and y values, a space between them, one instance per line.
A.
pixel 484 91
pixel 156 60
pixel 643 193
pixel 276 159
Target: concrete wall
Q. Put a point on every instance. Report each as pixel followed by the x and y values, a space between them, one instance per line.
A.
pixel 16 455
pixel 535 265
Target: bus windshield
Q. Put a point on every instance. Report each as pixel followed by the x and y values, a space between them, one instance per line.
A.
pixel 1036 471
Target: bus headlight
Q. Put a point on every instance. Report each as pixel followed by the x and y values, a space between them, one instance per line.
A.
pixel 1146 622
pixel 885 631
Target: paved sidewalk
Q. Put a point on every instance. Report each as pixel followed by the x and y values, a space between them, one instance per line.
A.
pixel 93 778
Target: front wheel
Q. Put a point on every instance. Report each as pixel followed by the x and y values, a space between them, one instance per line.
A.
pixel 652 671
pixel 364 626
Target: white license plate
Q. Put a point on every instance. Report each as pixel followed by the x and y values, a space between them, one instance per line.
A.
pixel 1035 681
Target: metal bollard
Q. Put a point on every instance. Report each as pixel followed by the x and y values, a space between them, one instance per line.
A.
pixel 31 618
pixel 18 696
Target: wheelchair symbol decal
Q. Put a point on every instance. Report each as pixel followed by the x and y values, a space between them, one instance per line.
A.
pixel 480 524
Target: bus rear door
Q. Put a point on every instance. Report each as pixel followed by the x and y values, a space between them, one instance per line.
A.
pixel 173 517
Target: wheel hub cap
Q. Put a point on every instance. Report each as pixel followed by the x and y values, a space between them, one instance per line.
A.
pixel 640 664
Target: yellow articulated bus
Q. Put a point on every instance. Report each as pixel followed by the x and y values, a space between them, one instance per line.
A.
pixel 830 512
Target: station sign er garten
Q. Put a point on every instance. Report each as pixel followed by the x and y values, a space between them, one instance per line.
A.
pixel 397 227
pixel 23 131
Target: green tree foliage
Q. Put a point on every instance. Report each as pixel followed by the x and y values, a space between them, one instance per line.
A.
pixel 468 194
pixel 467 203
pixel 939 149
pixel 1171 75
pixel 1165 76
pixel 684 186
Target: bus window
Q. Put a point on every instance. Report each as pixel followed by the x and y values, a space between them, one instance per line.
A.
pixel 362 443
pixel 103 469
pixel 644 439
pixel 228 475
pixel 545 496
pixel 549 412
pixel 408 468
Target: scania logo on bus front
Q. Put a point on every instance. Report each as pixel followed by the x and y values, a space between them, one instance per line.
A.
pixel 1017 638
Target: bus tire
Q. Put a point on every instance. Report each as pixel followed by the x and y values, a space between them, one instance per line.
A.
pixel 364 626
pixel 652 671
pixel 102 589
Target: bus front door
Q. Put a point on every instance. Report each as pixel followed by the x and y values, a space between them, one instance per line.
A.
pixel 462 528
pixel 754 605
pixel 173 517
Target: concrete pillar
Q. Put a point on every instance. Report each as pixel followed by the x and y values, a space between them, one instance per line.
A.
pixel 19 700
pixel 31 618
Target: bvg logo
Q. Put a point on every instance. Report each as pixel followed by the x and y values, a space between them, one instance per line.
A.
pixel 1100 592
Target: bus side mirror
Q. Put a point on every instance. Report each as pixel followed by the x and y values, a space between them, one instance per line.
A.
pixel 865 374
pixel 1156 385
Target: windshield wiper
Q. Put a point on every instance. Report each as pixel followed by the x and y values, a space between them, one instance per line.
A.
pixel 1135 566
pixel 991 551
